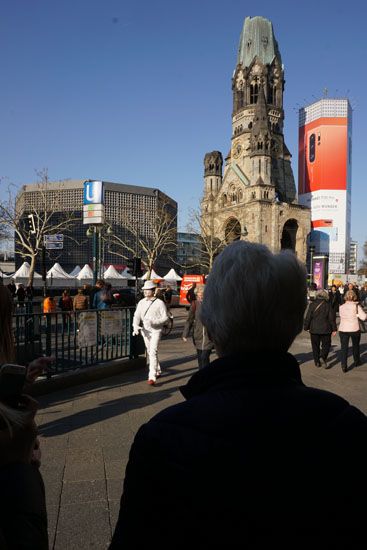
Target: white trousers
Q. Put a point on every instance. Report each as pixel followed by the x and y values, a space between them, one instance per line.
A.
pixel 151 340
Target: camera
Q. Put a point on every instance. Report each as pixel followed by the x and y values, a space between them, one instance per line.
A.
pixel 12 379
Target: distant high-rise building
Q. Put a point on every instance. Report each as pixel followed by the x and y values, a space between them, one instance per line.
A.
pixel 324 177
pixel 138 204
pixel 189 253
pixel 353 257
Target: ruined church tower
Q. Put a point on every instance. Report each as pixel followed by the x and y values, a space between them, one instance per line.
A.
pixel 255 197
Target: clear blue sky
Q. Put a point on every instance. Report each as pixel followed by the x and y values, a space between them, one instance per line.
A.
pixel 138 92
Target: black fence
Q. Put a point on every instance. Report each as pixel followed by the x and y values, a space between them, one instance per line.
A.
pixel 76 339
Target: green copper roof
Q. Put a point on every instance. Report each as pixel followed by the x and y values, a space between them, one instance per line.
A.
pixel 257 39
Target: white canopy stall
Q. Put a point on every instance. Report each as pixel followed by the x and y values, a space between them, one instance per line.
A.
pixel 153 275
pixel 58 278
pixel 77 269
pixel 21 276
pixel 85 276
pixel 112 276
pixel 172 278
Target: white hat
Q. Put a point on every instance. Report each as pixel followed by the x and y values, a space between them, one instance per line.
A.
pixel 149 285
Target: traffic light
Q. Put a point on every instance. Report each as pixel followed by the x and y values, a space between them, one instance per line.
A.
pixel 31 225
pixel 137 267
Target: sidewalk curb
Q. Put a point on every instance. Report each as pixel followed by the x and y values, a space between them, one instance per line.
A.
pixel 83 375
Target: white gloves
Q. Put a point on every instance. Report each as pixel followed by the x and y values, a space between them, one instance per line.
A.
pixel 135 331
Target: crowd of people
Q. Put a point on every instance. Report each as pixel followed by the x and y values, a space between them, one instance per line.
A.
pixel 249 433
pixel 321 322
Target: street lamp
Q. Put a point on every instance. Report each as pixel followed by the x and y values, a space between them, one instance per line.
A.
pixel 96 232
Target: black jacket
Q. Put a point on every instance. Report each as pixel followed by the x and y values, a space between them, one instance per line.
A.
pixel 320 317
pixel 335 300
pixel 193 324
pixel 253 458
pixel 23 516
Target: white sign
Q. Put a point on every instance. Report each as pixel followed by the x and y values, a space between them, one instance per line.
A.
pixel 54 246
pixel 111 322
pixel 95 220
pixel 57 237
pixel 87 326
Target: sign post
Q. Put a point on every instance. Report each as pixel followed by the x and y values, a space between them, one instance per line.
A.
pixel 93 214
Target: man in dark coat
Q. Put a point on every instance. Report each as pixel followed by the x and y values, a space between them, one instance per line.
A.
pixel 200 336
pixel 335 298
pixel 253 458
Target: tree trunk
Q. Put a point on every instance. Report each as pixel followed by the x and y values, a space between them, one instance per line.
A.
pixel 31 271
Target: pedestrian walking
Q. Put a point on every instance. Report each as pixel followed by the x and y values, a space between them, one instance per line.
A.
pixel 335 298
pixel 20 294
pixel 103 299
pixel 66 306
pixel 190 294
pixel 320 321
pixel 193 325
pixel 253 458
pixel 149 318
pixel 49 304
pixel 94 291
pixel 80 301
pixel 349 313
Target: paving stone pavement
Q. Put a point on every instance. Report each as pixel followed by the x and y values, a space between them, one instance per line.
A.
pixel 86 433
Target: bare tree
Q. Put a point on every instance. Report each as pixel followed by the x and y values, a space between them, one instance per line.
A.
pixel 30 222
pixel 207 246
pixel 144 234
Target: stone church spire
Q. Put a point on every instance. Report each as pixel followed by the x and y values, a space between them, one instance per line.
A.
pixel 257 193
pixel 260 131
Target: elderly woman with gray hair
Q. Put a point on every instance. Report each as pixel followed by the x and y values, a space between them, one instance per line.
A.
pixel 253 458
pixel 320 320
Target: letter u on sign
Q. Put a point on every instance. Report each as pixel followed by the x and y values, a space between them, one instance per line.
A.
pixel 93 192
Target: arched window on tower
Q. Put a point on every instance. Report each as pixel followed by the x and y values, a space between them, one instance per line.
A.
pixel 272 94
pixel 254 92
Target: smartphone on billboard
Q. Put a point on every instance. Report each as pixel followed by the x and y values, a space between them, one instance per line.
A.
pixel 12 379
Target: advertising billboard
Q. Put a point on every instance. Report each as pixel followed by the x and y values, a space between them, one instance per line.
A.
pixel 323 158
pixel 320 271
pixel 324 176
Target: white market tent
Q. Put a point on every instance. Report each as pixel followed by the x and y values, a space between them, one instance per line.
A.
pixel 57 277
pixel 127 275
pixel 21 276
pixel 172 276
pixel 153 275
pixel 85 274
pixel 77 269
pixel 111 275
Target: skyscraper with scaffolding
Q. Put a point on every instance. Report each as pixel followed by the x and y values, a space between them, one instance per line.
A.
pixel 324 177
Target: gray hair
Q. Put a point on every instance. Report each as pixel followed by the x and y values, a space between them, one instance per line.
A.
pixel 254 300
pixel 323 294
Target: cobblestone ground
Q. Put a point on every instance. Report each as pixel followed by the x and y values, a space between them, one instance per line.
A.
pixel 86 433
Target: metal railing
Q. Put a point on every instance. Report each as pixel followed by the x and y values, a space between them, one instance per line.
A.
pixel 76 339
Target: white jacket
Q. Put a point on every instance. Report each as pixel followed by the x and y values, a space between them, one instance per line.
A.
pixel 151 314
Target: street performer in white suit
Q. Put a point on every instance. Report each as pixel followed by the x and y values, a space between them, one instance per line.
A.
pixel 150 316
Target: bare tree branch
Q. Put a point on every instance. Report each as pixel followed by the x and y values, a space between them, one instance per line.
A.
pixel 49 217
pixel 157 234
pixel 208 246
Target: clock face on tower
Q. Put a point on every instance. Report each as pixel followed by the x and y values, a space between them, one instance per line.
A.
pixel 237 150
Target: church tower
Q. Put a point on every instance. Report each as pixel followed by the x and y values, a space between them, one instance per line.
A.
pixel 257 194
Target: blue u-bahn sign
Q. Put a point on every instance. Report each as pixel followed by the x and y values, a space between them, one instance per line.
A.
pixel 93 192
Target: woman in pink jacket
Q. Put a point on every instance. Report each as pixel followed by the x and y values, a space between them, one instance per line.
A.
pixel 349 328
